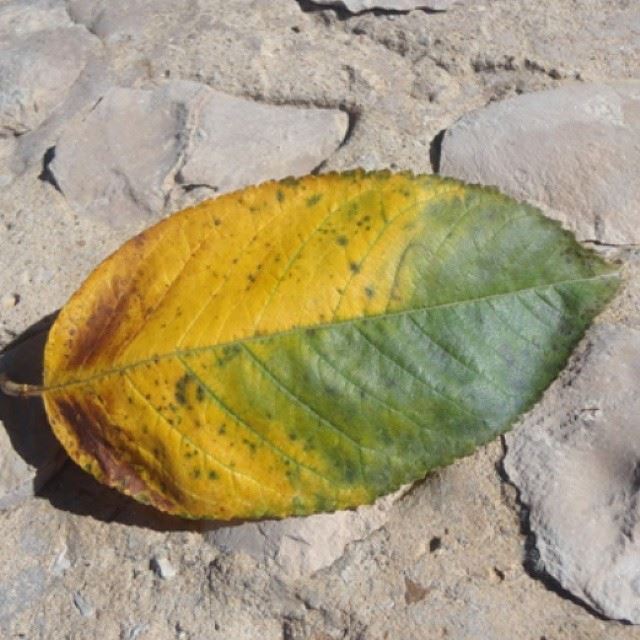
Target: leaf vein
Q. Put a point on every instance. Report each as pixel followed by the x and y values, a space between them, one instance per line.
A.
pixel 424 382
pixel 185 437
pixel 419 427
pixel 458 359
pixel 308 408
pixel 328 325
pixel 158 466
pixel 243 423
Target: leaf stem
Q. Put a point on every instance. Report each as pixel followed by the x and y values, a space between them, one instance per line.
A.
pixel 21 390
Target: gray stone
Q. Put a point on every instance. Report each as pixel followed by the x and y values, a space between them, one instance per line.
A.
pixel 9 300
pixel 161 566
pixel 126 156
pixel 118 162
pixel 25 590
pixel 7 149
pixel 29 453
pixel 238 142
pixel 575 150
pixel 125 22
pixel 85 608
pixel 136 631
pixel 576 461
pixel 37 72
pixel 23 17
pixel 25 572
pixel 357 6
pixel 302 546
pixel 62 563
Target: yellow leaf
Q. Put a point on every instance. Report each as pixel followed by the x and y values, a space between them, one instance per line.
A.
pixel 307 345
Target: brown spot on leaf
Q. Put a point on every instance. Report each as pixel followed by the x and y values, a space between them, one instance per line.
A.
pixel 88 420
pixel 96 333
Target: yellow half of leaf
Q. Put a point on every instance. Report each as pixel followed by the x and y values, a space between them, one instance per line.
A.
pixel 307 345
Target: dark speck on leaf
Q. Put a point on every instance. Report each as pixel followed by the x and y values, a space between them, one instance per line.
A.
pixel 343 241
pixel 355 267
pixel 369 292
pixel 280 195
pixel 313 200
pixel 181 390
pixel 350 473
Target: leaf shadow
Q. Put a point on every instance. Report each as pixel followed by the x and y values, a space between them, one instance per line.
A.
pixel 343 14
pixel 24 419
pixel 57 478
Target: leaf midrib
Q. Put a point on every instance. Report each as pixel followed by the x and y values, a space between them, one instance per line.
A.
pixel 327 325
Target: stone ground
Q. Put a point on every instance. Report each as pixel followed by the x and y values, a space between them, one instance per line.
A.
pixel 110 117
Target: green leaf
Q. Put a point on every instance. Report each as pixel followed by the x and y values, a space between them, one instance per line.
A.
pixel 308 345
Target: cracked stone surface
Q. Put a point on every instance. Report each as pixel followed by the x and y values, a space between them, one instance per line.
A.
pixel 298 546
pixel 574 150
pixel 448 558
pixel 575 460
pixel 123 159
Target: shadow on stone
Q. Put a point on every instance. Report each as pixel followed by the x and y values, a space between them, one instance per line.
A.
pixel 531 561
pixel 311 7
pixel 342 13
pixel 33 454
pixel 46 175
pixel 435 151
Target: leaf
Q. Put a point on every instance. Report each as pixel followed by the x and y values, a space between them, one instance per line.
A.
pixel 308 345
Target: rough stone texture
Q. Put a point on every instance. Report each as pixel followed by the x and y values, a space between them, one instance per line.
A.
pixel 237 142
pixel 357 6
pixel 123 159
pixel 448 560
pixel 576 460
pixel 120 160
pixel 575 150
pixel 302 546
pixel 22 18
pixel 50 69
pixel 126 22
pixel 7 149
pixel 36 74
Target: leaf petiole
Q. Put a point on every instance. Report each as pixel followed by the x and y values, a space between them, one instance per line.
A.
pixel 19 389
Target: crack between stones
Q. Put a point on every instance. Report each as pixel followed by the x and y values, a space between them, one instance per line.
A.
pixel 75 21
pixel 188 122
